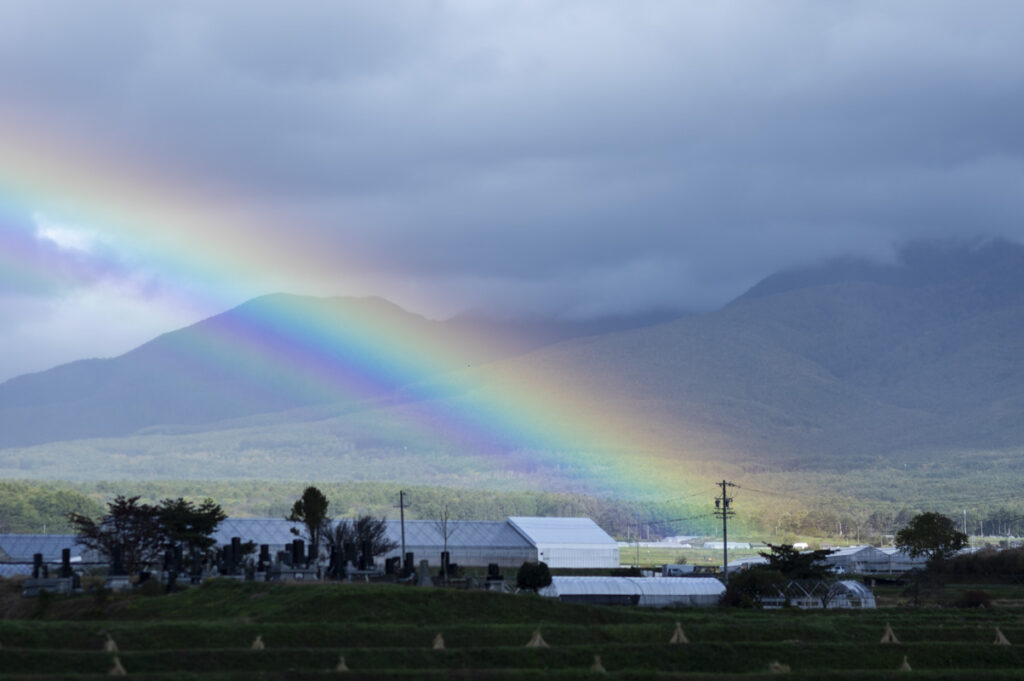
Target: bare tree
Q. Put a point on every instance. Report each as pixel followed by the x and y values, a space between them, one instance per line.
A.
pixel 365 528
pixel 446 527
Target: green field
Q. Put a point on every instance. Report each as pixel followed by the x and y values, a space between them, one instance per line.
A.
pixel 387 632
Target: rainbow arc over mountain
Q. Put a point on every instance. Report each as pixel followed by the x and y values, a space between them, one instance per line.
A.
pixel 512 414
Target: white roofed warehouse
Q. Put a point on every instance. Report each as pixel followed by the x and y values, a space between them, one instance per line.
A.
pixel 568 542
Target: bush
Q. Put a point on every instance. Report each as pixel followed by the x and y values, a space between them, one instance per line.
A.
pixel 747 588
pixel 975 598
pixel 533 576
pixel 627 572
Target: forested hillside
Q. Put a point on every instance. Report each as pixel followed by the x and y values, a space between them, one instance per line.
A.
pixel 849 367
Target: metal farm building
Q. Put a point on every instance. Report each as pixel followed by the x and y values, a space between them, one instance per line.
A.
pixel 568 542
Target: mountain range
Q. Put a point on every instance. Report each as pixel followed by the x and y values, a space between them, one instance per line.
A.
pixel 841 365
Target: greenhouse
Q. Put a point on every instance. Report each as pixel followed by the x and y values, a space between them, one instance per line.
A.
pixel 649 592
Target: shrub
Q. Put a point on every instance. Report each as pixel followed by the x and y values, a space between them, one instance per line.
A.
pixel 975 598
pixel 533 576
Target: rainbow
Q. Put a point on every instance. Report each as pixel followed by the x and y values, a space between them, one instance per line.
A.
pixel 218 251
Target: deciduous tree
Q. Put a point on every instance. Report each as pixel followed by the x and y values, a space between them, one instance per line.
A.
pixel 533 576
pixel 190 525
pixel 128 524
pixel 365 528
pixel 311 510
pixel 931 534
pixel 794 564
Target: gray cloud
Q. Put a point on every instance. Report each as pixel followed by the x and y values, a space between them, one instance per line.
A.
pixel 577 157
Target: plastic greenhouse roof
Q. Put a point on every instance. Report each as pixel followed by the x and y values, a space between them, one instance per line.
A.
pixel 273 531
pixel 561 531
pixel 633 586
pixel 853 551
pixel 15 570
pixel 21 547
pixel 853 587
pixel 462 533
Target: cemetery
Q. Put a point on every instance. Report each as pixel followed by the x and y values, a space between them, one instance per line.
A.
pixel 270 549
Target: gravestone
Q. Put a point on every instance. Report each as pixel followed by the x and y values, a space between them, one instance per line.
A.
pixel 350 553
pixel 196 573
pixel 117 579
pixel 495 580
pixel 423 574
pixel 368 553
pixel 65 564
pixel 409 566
pixel 41 580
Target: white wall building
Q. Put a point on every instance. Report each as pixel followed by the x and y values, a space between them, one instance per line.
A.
pixel 568 542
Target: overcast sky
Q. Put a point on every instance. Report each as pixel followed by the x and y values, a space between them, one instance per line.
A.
pixel 563 157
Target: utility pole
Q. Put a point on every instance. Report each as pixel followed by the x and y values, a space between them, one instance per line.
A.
pixel 722 509
pixel 401 511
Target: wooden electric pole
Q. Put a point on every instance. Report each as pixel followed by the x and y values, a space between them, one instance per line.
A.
pixel 722 508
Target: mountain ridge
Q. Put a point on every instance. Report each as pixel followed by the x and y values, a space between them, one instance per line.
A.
pixel 814 369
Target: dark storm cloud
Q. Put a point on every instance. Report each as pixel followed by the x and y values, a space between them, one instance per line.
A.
pixel 575 157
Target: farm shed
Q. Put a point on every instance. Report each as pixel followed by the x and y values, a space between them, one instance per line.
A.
pixel 568 542
pixel 649 592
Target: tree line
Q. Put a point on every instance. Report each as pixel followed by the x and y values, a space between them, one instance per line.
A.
pixel 37 507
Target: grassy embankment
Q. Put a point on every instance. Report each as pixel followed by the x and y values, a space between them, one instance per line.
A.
pixel 387 632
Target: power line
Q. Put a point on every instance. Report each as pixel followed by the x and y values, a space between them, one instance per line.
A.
pixel 762 491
